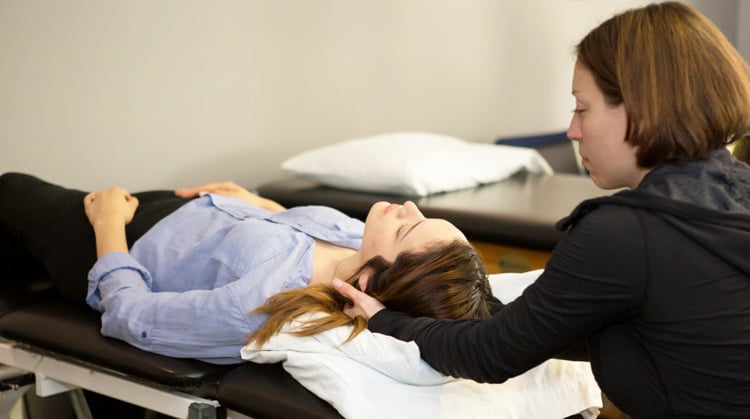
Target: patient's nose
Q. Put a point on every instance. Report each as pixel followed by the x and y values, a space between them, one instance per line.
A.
pixel 409 209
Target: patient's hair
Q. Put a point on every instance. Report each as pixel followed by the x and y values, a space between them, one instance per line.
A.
pixel 447 281
pixel 685 88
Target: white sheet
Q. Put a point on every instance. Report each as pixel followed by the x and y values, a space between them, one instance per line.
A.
pixel 376 376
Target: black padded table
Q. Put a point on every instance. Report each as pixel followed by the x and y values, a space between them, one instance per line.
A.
pixel 47 337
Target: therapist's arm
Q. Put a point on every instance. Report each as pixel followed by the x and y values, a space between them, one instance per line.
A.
pixel 577 295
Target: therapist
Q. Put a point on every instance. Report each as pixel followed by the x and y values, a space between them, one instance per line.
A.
pixel 656 278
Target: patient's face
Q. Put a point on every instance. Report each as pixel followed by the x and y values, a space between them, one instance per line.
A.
pixel 393 228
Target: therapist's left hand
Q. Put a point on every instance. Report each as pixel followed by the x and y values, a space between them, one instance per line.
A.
pixel 362 304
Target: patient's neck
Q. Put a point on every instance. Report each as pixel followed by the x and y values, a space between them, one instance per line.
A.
pixel 330 260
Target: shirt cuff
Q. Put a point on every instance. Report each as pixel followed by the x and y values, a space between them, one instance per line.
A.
pixel 107 264
pixel 381 321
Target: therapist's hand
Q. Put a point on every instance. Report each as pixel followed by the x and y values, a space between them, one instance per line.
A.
pixel 362 304
pixel 233 190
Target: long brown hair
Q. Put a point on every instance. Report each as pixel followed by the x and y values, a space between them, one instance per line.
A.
pixel 685 88
pixel 446 281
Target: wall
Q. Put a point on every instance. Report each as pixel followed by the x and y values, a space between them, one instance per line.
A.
pixel 148 94
pixel 743 31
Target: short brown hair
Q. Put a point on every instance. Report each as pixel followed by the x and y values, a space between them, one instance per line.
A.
pixel 741 150
pixel 446 281
pixel 685 88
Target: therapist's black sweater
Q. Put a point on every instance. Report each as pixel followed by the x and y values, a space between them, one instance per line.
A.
pixel 657 280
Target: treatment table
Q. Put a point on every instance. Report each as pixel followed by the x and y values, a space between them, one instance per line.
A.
pixel 54 346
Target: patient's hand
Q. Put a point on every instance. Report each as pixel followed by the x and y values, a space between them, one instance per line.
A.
pixel 362 304
pixel 110 206
pixel 233 190
pixel 109 211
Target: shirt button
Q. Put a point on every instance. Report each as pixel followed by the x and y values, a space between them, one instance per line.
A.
pixel 144 335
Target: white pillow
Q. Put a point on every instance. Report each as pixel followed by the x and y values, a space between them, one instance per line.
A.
pixel 412 163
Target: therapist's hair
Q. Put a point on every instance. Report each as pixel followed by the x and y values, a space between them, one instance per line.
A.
pixel 685 88
pixel 446 281
pixel 742 150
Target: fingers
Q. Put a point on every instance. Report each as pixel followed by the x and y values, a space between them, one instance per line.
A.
pixel 345 289
pixel 351 311
pixel 114 191
pixel 362 304
pixel 133 201
pixel 208 187
pixel 89 198
pixel 188 192
pixel 109 197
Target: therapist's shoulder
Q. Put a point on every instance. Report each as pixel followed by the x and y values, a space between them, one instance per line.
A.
pixel 607 225
pixel 607 246
pixel 611 212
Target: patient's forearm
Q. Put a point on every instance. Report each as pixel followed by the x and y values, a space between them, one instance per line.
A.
pixel 165 322
pixel 109 211
pixel 110 237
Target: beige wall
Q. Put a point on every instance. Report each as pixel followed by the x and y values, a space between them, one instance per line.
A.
pixel 148 94
pixel 743 30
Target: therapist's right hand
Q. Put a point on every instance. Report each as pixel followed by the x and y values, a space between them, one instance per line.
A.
pixel 362 304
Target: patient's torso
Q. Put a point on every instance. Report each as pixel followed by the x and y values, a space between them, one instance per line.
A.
pixel 215 240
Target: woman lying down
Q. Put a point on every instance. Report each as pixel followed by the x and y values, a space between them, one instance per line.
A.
pixel 196 273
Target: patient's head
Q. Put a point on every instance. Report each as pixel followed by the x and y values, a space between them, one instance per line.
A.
pixel 445 280
pixel 391 229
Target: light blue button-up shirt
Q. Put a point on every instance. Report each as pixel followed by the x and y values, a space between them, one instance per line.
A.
pixel 188 284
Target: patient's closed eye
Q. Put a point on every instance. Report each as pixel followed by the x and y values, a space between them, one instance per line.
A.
pixel 413 226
